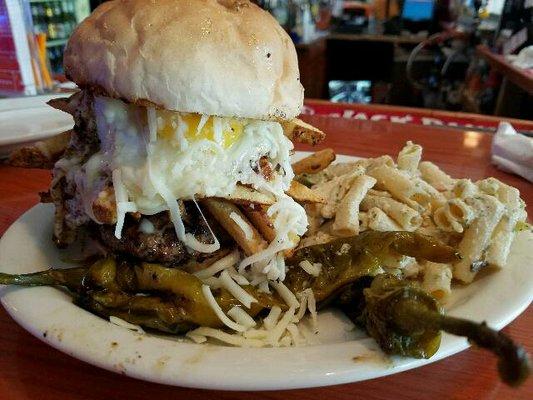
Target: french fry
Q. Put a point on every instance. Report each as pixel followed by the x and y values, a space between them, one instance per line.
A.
pixel 246 195
pixel 303 194
pixel 259 218
pixel 104 206
pixel 314 163
pixel 43 154
pixel 299 131
pixel 222 211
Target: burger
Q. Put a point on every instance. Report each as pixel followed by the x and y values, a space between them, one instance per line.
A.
pixel 181 145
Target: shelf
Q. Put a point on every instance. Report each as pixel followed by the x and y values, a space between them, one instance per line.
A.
pixel 57 42
pixel 521 77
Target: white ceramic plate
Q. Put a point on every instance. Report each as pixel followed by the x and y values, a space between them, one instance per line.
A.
pixel 29 119
pixel 49 314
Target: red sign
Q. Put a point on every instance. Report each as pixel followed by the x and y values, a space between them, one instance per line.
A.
pixel 403 115
pixel 10 77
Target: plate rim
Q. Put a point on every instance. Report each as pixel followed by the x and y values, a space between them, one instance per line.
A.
pixel 37 135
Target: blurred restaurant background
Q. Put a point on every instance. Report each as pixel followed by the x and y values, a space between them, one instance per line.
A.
pixel 472 56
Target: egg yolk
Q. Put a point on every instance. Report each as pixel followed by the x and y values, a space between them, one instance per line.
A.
pixel 170 122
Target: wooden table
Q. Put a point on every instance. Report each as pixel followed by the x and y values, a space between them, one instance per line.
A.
pixel 32 370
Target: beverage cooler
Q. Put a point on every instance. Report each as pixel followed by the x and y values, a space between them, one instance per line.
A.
pixel 57 19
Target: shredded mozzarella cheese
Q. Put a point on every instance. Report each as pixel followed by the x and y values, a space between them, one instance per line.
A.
pixel 297 340
pixel 218 311
pixel 311 305
pixel 213 282
pixel 125 324
pixel 219 265
pixel 302 308
pixel 272 318
pixel 233 339
pixel 256 334
pixel 288 297
pixel 311 268
pixel 238 292
pixel 245 228
pixel 241 280
pixel 196 338
pixel 241 317
pixel 279 329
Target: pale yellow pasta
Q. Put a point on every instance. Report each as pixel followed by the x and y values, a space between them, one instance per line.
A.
pixel 437 279
pixel 409 157
pixel 401 186
pixel 435 176
pixel 489 186
pixel 508 195
pixel 436 198
pixel 379 161
pixel 347 216
pixel 460 211
pixel 453 216
pixel 363 221
pixel 408 218
pixel 379 221
pixel 333 192
pixel 504 233
pixel 381 193
pixel 443 222
pixel 464 189
pixel 345 168
pixel 502 238
pixel 477 236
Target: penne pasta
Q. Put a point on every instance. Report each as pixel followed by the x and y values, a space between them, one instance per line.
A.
pixel 435 176
pixel 409 158
pixel 477 237
pixel 333 192
pixel 464 189
pixel 347 215
pixel 502 239
pixel 437 279
pixel 401 186
pixel 408 218
pixel 453 216
pixel 436 198
pixel 377 220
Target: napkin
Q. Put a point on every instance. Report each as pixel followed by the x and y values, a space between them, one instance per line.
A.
pixel 524 59
pixel 513 152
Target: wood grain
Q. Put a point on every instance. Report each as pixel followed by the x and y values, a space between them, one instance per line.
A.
pixel 29 369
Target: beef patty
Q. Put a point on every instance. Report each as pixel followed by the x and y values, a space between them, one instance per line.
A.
pixel 160 244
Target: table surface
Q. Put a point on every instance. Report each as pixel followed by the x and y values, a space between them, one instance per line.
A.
pixel 29 369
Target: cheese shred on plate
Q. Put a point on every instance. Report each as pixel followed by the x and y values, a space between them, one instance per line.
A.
pixel 218 311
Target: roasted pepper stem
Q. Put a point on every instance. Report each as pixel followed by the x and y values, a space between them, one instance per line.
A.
pixel 513 362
